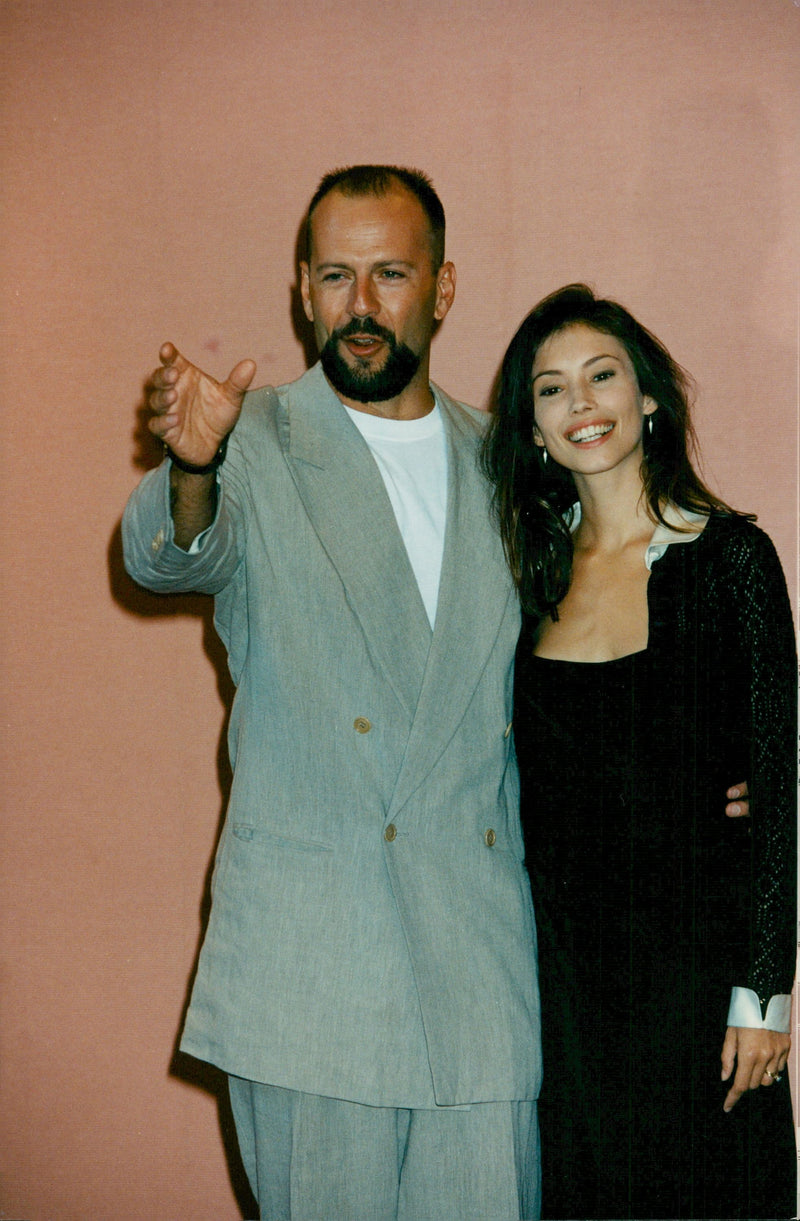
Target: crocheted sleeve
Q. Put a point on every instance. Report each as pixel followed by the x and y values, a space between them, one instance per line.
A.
pixel 756 593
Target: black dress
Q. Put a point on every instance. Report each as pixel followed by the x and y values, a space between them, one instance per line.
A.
pixel 650 903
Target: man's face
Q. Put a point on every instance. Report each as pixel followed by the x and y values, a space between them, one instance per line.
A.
pixel 372 293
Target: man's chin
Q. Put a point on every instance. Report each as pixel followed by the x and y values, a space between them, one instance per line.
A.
pixel 365 382
pixel 363 368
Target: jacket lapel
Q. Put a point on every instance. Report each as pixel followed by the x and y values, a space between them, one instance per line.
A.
pixel 347 503
pixel 475 596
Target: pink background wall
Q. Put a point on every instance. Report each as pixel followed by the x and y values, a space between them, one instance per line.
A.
pixel 158 157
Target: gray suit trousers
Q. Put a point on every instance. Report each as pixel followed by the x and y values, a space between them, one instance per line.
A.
pixel 311 1158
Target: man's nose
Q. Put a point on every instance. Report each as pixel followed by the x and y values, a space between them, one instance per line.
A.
pixel 363 301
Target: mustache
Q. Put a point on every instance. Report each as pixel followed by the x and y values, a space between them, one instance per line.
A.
pixel 363 326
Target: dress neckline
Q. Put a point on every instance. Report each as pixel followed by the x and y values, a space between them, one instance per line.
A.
pixel 568 661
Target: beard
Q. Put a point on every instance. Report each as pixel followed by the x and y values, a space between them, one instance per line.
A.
pixel 360 383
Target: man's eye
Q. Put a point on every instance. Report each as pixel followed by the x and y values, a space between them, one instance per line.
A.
pixel 331 277
pixel 389 274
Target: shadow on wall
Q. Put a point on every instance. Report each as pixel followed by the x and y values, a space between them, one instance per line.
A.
pixel 143 604
pixel 139 602
pixel 303 329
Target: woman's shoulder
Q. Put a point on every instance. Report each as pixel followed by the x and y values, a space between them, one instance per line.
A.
pixel 728 547
pixel 738 555
pixel 736 536
pixel 707 538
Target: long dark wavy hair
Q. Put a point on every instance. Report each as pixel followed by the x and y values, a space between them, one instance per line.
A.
pixel 533 499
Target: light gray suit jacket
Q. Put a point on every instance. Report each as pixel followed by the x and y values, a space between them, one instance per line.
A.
pixel 371 934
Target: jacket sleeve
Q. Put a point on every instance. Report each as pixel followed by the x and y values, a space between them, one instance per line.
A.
pixel 756 591
pixel 153 558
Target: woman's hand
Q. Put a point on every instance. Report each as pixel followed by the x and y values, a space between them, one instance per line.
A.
pixel 760 1057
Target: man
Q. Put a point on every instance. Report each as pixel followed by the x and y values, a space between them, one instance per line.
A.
pixel 367 979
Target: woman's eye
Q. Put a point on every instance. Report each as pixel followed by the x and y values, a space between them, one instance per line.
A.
pixel 548 391
pixel 603 375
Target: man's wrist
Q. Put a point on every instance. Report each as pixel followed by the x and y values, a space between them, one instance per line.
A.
pixel 191 468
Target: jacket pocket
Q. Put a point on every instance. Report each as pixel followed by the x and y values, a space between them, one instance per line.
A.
pixel 250 833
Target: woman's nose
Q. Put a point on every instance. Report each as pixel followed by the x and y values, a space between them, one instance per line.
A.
pixel 580 400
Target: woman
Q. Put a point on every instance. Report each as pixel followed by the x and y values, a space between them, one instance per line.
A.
pixel 656 663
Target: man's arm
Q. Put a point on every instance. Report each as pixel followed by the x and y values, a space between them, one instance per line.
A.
pixel 193 414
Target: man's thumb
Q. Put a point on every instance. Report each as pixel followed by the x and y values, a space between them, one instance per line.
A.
pixel 241 376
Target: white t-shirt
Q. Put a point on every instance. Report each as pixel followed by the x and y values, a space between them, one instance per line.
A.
pixel 412 458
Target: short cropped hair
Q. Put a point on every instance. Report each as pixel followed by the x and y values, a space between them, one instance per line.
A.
pixel 380 180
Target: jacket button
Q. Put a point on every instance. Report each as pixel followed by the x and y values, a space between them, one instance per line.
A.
pixel 490 839
pixel 361 725
pixel 390 833
pixel 509 727
pixel 157 543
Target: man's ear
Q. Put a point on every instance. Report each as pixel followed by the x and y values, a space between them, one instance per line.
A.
pixel 445 289
pixel 305 291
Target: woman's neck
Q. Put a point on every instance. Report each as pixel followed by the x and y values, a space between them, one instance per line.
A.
pixel 614 511
pixel 604 614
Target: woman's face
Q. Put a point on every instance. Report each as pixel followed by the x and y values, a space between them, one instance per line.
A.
pixel 588 408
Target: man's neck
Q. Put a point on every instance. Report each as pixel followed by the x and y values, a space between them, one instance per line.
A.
pixel 416 401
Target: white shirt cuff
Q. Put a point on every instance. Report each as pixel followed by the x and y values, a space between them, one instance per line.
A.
pixel 745 1010
pixel 197 542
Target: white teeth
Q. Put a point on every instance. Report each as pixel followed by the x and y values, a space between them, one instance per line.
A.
pixel 591 433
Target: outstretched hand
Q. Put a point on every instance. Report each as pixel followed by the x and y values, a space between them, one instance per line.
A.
pixel 192 412
pixel 760 1057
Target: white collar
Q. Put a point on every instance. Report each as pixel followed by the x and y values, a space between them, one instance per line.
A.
pixel 682 526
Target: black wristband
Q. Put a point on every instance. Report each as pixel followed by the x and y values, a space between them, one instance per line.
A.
pixel 190 468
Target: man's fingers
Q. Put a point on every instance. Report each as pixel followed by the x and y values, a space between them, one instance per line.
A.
pixel 162 390
pixel 241 376
pixel 162 385
pixel 191 410
pixel 738 805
